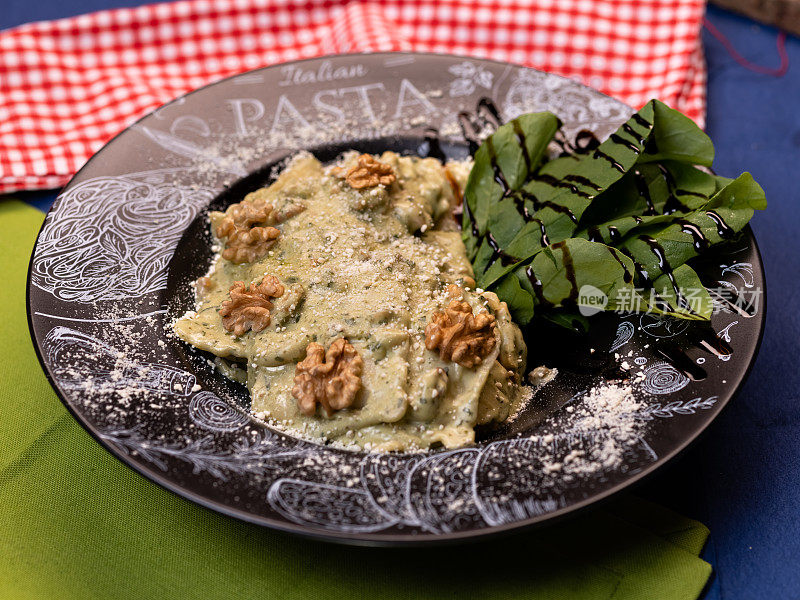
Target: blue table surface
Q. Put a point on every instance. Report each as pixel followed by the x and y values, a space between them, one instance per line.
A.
pixel 742 479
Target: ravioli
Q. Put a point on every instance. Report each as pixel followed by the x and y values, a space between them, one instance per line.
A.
pixel 370 265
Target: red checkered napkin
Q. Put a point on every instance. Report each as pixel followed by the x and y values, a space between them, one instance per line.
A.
pixel 68 86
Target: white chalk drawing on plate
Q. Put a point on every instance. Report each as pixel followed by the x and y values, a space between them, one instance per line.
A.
pixel 469 77
pixel 678 407
pixel 725 333
pixel 662 327
pixel 576 105
pixel 743 270
pixel 161 311
pixel 262 453
pixel 111 238
pixel 625 332
pixel 193 151
pixel 441 493
pixel 662 378
pixel 82 362
pixel 209 411
pixel 386 478
pixel 502 500
pixel 327 506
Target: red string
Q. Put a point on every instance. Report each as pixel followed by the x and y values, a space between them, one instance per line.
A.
pixel 726 43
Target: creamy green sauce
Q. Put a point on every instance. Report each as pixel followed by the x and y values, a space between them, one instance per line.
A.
pixel 369 265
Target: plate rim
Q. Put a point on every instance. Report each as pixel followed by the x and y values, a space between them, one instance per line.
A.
pixel 375 539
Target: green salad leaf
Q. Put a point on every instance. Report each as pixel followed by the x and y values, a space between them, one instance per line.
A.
pixel 620 218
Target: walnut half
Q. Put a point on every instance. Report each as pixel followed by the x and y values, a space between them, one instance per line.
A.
pixel 248 245
pixel 331 379
pixel 460 336
pixel 247 230
pixel 248 309
pixel 369 172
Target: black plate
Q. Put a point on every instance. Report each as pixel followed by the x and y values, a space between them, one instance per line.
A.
pixel 113 261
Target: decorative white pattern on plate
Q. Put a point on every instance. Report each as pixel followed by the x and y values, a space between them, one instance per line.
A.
pixel 725 333
pixel 625 332
pixel 326 506
pixel 672 409
pixel 663 378
pixel 253 455
pixel 468 77
pixel 578 107
pixel 662 327
pixel 207 410
pixel 743 270
pixel 111 238
pixel 82 363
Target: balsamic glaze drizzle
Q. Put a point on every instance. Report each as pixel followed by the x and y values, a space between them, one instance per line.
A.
pixel 561 183
pixel 471 218
pixel 585 142
pixel 434 147
pixel 545 241
pixel 539 204
pixel 672 204
pixel 678 359
pixel 641 274
pixel 699 240
pixel 594 234
pixel 488 112
pixel 584 181
pixel 626 127
pixel 522 143
pixel 644 191
pixel 651 147
pixel 569 272
pixel 690 193
pixel 709 341
pixel 538 288
pixel 666 269
pixel 519 201
pixel 469 131
pixel 497 252
pixel 600 154
pixel 622 141
pixel 566 148
pixel 723 229
pixel 498 173
pixel 627 277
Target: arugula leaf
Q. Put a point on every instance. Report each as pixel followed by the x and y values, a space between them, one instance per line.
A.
pixel 694 301
pixel 559 197
pixel 658 248
pixel 508 155
pixel 520 302
pixel 628 213
pixel 548 207
pixel 560 274
pixel 677 137
pixel 649 189
pixel 574 322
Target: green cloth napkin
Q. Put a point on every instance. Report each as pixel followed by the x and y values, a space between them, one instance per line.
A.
pixel 75 523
